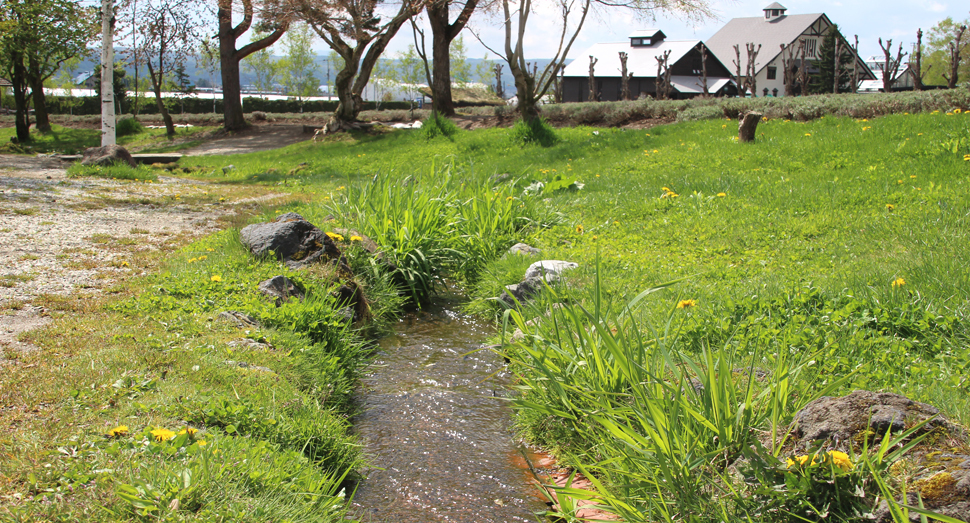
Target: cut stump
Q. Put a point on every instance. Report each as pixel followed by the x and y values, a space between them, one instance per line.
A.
pixel 748 125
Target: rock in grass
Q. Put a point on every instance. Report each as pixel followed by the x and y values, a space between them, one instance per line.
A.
pixel 522 248
pixel 291 239
pixel 842 420
pixel 281 289
pixel 551 269
pixel 239 319
pixel 536 277
pixel 107 156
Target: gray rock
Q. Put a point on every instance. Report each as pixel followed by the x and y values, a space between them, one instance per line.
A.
pixel 521 292
pixel 226 169
pixel 107 155
pixel 247 366
pixel 522 248
pixel 239 319
pixel 292 239
pixel 548 268
pixel 840 419
pixel 281 289
pixel 248 343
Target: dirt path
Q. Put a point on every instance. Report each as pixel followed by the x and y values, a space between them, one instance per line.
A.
pixel 64 237
pixel 256 138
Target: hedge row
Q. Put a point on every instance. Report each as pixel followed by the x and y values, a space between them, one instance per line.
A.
pixel 91 105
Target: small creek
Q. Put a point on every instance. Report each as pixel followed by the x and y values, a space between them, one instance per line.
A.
pixel 436 427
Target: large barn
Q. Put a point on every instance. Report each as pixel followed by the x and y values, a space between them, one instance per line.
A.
pixel 643 48
pixel 771 31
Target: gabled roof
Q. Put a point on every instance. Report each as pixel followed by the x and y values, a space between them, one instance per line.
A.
pixel 647 33
pixel 608 55
pixel 770 34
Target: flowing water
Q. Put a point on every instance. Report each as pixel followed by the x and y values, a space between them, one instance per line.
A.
pixel 436 426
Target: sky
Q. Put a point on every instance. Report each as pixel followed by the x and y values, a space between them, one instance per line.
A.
pixel 895 19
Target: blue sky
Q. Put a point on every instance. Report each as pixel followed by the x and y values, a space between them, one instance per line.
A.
pixel 896 19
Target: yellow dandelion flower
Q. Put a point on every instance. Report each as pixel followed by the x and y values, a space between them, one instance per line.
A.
pixel 191 431
pixel 912 176
pixel 898 282
pixel 957 111
pixel 764 118
pixel 201 443
pixel 686 304
pixel 841 460
pixel 509 198
pixel 202 258
pixel 125 264
pixel 192 260
pixel 724 126
pixel 341 188
pixel 222 199
pixel 120 430
pixel 721 195
pixel 966 157
pixel 335 237
pixel 808 134
pixel 210 249
pixel 890 207
pixel 162 434
pixel 215 277
pixel 356 239
pixel 656 151
pixel 579 229
pixel 899 181
pixel 616 223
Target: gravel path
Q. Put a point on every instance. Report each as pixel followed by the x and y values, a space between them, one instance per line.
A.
pixel 257 138
pixel 61 236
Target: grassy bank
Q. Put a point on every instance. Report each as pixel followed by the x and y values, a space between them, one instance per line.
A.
pixel 830 254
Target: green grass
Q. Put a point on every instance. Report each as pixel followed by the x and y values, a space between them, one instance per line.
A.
pixel 117 171
pixel 66 140
pixel 788 247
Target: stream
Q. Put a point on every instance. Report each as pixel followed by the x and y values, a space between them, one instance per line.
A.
pixel 437 429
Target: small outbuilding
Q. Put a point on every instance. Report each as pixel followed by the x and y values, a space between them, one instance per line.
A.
pixel 685 60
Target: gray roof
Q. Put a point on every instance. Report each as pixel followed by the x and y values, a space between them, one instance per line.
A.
pixel 776 5
pixel 757 30
pixel 640 58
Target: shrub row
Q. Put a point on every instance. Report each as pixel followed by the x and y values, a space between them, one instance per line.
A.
pixel 91 105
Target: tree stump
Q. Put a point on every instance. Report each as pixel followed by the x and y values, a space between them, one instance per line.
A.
pixel 748 125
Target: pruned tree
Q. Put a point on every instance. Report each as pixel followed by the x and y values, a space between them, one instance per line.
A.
pixel 742 84
pixel 937 58
pixel 443 33
pixel 704 87
pixel 625 77
pixel 592 80
pixel 855 65
pixel 788 68
pixel 273 22
pixel 918 61
pixel 557 89
pixel 170 33
pixel 751 78
pixel 499 88
pixel 890 67
pixel 663 75
pixel 40 35
pixel 955 47
pixel 357 32
pixel 530 88
pixel 803 75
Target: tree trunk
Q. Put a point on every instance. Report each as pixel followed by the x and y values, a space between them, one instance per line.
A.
pixel 19 82
pixel 42 121
pixel 442 34
pixel 347 109
pixel 525 91
pixel 441 97
pixel 229 58
pixel 157 78
pixel 748 126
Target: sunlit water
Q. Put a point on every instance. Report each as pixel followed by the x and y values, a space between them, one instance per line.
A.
pixel 435 424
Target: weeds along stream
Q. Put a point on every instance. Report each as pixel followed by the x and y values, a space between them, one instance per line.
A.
pixel 436 427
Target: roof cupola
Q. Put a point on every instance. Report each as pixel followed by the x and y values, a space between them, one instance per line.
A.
pixel 774 11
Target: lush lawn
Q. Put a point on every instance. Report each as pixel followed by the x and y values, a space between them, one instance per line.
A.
pixel 65 140
pixel 831 254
